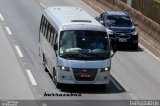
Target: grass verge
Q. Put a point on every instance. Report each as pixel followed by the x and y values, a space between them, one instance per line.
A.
pixel 157 1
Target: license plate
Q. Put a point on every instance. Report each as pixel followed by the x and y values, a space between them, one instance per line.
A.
pixel 122 40
pixel 85 75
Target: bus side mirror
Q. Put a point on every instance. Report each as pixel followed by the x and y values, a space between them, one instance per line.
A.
pixel 114 48
pixel 55 47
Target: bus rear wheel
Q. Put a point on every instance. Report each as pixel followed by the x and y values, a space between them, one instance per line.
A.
pixel 44 62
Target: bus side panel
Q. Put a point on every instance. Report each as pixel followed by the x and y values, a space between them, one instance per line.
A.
pixel 49 54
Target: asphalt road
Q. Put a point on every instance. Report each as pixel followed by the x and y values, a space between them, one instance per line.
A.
pixel 135 74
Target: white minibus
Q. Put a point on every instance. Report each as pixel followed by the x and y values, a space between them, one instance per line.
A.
pixel 74 47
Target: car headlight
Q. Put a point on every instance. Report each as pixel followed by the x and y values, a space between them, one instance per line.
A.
pixel 62 68
pixel 105 69
pixel 110 32
pixel 134 33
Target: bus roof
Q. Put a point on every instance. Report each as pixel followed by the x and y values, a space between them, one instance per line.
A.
pixel 66 15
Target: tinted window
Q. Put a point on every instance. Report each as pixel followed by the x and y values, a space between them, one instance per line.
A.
pixel 48 30
pixel 118 21
pixel 42 23
pixel 49 33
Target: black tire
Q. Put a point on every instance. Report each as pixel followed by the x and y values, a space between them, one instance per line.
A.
pixel 58 85
pixel 103 86
pixel 44 63
pixel 54 76
pixel 135 46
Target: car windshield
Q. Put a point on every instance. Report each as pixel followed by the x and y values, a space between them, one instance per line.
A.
pixel 84 44
pixel 118 21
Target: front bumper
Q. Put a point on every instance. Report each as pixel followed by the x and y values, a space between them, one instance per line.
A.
pixel 69 78
pixel 132 39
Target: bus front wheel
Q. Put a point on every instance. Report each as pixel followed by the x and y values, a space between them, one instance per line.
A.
pixel 58 85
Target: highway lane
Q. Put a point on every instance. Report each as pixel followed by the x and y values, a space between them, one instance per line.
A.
pixel 137 72
pixel 9 73
pixel 24 24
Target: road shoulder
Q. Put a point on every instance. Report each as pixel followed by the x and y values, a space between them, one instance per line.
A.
pixel 13 82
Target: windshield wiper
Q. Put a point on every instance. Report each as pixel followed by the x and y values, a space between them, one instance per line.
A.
pixel 73 54
pixel 100 55
pixel 94 54
pixel 84 56
pixel 67 54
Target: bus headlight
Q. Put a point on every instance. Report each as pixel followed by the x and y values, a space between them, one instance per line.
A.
pixel 105 69
pixel 62 68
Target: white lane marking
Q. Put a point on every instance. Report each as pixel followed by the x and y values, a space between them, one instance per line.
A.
pixel 31 77
pixel 1 17
pixel 44 6
pixel 18 51
pixel 117 86
pixel 149 52
pixel 8 30
pixel 44 104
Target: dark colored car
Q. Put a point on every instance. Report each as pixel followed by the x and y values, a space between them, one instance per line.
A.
pixel 120 28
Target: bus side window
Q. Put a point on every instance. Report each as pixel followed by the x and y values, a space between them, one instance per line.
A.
pixel 52 36
pixel 55 40
pixel 46 29
pixel 48 32
pixel 42 23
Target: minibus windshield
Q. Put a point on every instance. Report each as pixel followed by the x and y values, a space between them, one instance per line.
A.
pixel 84 44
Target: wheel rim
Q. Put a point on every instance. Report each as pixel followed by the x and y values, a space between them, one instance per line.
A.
pixel 54 76
pixel 44 59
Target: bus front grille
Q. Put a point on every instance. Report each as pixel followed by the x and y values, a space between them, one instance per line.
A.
pixel 82 74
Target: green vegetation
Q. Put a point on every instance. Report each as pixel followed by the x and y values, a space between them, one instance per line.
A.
pixel 158 1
